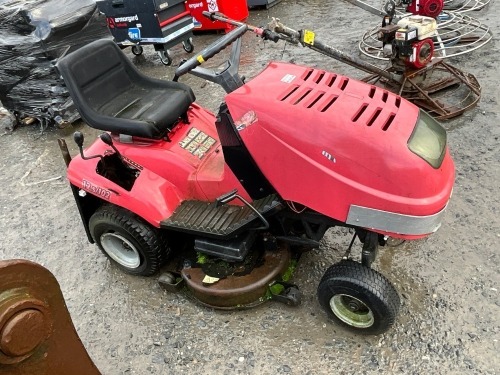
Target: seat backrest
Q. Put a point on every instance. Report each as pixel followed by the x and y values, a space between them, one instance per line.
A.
pixel 111 94
pixel 95 74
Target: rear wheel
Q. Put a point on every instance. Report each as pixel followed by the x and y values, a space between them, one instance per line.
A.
pixel 358 298
pixel 128 241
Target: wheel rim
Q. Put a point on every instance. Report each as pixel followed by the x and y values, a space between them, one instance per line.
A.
pixel 352 311
pixel 120 250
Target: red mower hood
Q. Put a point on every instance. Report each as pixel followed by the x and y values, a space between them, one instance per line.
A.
pixel 329 142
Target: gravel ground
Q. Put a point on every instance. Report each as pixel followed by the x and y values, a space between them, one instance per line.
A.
pixel 449 321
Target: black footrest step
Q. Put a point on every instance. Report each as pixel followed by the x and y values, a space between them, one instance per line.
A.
pixel 206 218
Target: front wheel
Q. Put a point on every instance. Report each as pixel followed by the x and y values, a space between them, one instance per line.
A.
pixel 358 297
pixel 128 241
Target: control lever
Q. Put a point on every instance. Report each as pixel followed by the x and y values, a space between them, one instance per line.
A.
pixel 79 138
pixel 227 197
pixel 106 138
pixel 233 194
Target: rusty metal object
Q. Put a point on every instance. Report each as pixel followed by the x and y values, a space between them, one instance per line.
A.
pixel 296 37
pixel 441 89
pixel 37 335
pixel 239 291
pixel 64 151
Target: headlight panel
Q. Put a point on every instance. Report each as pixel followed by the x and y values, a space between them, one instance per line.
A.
pixel 428 140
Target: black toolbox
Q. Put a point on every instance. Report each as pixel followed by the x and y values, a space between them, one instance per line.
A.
pixel 162 23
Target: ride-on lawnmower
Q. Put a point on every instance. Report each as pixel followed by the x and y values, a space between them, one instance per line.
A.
pixel 237 197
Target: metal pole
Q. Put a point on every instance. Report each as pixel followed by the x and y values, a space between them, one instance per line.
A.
pixel 297 37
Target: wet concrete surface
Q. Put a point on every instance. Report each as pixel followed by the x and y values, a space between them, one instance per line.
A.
pixel 449 321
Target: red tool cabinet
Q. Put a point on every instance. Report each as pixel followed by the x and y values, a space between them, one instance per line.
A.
pixel 235 9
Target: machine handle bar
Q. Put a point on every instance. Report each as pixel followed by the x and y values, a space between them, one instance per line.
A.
pixel 265 34
pixel 210 51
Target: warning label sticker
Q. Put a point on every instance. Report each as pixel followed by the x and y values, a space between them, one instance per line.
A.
pixel 308 37
pixel 212 6
pixel 197 143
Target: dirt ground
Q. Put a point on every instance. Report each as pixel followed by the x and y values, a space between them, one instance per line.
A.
pixel 450 316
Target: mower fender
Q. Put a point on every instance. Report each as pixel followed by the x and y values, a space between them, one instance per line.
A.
pixel 92 190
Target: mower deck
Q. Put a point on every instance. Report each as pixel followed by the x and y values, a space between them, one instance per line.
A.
pixel 238 290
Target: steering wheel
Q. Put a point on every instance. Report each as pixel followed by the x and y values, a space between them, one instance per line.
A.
pixel 210 51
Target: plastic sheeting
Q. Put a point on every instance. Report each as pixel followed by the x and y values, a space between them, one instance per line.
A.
pixel 7 120
pixel 33 35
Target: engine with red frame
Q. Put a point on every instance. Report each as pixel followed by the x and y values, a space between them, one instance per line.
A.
pixel 409 41
pixel 428 8
pixel 415 53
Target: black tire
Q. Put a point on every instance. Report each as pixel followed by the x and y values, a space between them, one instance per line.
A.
pixel 358 298
pixel 137 50
pixel 188 45
pixel 128 241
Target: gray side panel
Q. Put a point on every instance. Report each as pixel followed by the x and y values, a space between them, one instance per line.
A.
pixel 393 222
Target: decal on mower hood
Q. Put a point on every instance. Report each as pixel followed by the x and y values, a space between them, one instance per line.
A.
pixel 245 121
pixel 329 156
pixel 197 143
pixel 288 78
pixel 96 190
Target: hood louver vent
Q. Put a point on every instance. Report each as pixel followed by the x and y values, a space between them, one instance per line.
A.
pixel 320 90
pixel 371 94
pixel 385 96
pixel 307 74
pixel 315 100
pixel 302 96
pixel 374 117
pixel 288 93
pixel 343 83
pixel 389 122
pixel 331 81
pixel 319 77
pixel 360 112
pixel 329 103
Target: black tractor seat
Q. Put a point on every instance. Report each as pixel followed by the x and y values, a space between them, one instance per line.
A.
pixel 112 95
